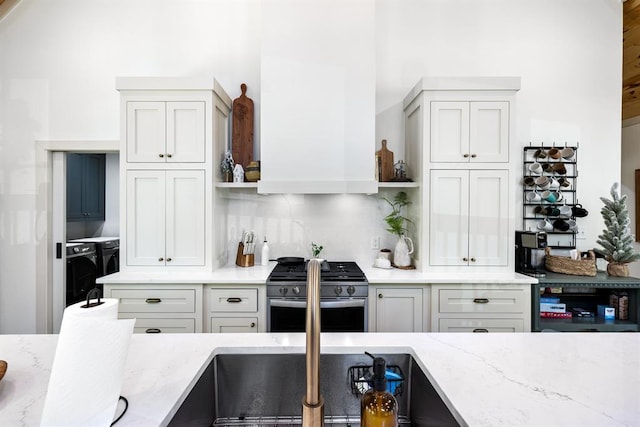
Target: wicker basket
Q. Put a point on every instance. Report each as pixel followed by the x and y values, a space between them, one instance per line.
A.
pixel 565 265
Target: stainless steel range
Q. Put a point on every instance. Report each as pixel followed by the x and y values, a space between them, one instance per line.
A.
pixel 344 292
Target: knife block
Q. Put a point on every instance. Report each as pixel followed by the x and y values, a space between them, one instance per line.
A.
pixel 247 260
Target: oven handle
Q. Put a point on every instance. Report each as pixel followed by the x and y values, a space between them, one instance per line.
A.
pixel 323 304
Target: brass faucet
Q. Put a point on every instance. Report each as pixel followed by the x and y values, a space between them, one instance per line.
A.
pixel 312 402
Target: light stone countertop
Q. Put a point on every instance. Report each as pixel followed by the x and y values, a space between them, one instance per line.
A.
pixel 232 274
pixel 569 379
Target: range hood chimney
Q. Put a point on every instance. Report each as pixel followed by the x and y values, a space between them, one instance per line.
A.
pixel 317 97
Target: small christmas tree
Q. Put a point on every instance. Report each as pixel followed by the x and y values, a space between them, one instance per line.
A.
pixel 617 240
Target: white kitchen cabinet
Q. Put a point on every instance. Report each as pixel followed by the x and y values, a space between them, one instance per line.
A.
pixel 174 133
pixel 165 217
pixel 159 132
pixel 470 132
pixel 469 218
pixel 159 308
pixel 398 308
pixel 481 308
pixel 235 308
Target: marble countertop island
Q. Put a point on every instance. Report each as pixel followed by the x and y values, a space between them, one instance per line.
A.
pixel 569 379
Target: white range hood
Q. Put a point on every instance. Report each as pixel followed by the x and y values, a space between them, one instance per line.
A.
pixel 317 97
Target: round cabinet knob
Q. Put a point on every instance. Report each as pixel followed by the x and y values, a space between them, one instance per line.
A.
pixel 465 156
pixel 337 290
pixel 253 324
pixel 284 290
pixel 473 260
pixel 168 259
pixel 473 156
pixel 380 296
pixel 160 259
pixel 169 155
pixel 351 290
pixel 465 259
pixel 295 290
pixel 161 155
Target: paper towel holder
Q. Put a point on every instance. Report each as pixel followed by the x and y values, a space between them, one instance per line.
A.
pixel 93 291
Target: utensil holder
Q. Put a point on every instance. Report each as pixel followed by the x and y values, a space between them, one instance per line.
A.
pixel 243 260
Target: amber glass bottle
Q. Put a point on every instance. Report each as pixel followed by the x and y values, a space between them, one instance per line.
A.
pixel 378 407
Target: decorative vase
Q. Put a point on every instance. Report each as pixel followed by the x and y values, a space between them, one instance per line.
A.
pixel 402 252
pixel 618 269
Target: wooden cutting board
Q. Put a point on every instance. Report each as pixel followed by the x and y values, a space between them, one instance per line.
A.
pixel 242 129
pixel 385 163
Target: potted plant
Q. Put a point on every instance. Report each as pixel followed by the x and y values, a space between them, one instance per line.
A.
pixel 616 239
pixel 316 249
pixel 397 224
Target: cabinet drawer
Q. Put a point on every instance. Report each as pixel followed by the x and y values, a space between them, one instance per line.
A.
pixel 155 300
pixel 481 325
pixel 164 326
pixel 234 324
pixel 491 301
pixel 233 300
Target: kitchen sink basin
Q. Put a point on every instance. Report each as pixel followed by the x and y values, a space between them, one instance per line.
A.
pixel 267 390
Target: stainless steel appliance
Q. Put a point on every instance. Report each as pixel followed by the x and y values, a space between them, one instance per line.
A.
pixel 527 242
pixel 344 291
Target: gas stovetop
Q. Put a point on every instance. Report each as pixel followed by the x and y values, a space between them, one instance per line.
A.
pixel 330 271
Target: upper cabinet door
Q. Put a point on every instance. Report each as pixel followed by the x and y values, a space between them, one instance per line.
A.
pixel 449 131
pixel 146 122
pixel 469 132
pixel 185 132
pixel 165 132
pixel 489 132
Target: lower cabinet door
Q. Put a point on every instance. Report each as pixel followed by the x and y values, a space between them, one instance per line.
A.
pixel 481 325
pixel 398 310
pixel 234 324
pixel 164 326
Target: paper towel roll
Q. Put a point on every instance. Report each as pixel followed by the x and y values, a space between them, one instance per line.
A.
pixel 88 367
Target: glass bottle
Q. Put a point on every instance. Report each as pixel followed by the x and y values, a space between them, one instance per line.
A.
pixel 378 407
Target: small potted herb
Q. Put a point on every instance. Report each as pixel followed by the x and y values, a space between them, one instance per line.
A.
pixel 316 249
pixel 397 224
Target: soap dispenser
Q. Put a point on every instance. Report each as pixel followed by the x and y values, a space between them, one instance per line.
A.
pixel 265 252
pixel 378 407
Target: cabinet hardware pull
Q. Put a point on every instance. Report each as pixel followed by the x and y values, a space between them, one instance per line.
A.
pixel 234 299
pixel 152 331
pixel 380 295
pixel 153 300
pixel 465 259
pixel 480 330
pixel 169 259
pixel 465 155
pixel 169 155
pixel 473 156
pixel 161 155
pixel 481 300
pixel 160 259
pixel 473 260
pixel 253 324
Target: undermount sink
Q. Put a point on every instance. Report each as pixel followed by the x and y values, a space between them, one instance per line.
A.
pixel 267 389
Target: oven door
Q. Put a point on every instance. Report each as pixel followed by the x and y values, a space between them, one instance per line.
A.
pixel 336 315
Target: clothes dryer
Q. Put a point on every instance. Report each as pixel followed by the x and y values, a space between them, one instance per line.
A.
pixel 108 249
pixel 82 271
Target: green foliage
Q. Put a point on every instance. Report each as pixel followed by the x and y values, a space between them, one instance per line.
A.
pixel 396 222
pixel 616 240
pixel 316 249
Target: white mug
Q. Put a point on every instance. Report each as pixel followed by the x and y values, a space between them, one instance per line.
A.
pixel 565 211
pixel 542 182
pixel 567 153
pixel 532 196
pixel 573 226
pixel 545 225
pixel 536 168
pixel 554 184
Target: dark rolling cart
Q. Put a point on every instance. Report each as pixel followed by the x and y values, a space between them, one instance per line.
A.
pixel 585 292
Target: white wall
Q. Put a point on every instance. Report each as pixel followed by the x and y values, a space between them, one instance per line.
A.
pixel 60 59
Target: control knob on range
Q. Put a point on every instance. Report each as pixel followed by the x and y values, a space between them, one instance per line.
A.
pixel 284 290
pixel 351 290
pixel 295 290
pixel 337 290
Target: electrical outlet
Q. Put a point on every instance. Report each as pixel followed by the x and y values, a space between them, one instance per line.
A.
pixel 375 242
